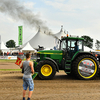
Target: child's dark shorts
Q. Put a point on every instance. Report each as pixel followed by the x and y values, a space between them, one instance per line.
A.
pixel 28 82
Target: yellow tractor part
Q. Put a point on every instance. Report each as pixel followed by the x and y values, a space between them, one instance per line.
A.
pixel 46 70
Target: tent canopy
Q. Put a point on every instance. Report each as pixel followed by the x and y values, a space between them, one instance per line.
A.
pixel 88 49
pixel 27 47
pixel 61 33
pixel 3 48
pixel 42 39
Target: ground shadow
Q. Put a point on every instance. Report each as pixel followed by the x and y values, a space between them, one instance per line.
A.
pixel 59 77
pixel 66 77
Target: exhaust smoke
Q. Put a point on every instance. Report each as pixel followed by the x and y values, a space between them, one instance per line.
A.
pixel 17 11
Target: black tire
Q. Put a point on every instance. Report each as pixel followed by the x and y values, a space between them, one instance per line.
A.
pixel 46 69
pixel 70 74
pixel 99 72
pixel 85 67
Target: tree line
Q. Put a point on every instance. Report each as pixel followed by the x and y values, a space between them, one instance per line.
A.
pixel 88 41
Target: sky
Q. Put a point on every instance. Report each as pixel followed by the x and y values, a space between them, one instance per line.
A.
pixel 78 17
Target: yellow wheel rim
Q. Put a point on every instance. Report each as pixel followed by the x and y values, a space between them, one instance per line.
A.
pixel 46 70
pixel 94 70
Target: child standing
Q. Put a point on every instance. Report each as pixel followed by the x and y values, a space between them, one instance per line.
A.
pixel 27 78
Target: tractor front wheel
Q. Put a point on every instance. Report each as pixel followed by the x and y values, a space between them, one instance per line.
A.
pixel 46 69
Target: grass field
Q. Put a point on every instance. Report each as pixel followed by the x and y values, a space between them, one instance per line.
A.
pixel 7 60
pixel 10 69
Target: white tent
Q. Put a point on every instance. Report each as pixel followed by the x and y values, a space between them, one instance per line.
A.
pixel 3 48
pixel 27 47
pixel 61 33
pixel 48 48
pixel 88 49
pixel 42 39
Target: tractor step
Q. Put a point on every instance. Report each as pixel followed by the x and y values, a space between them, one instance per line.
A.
pixel 67 66
pixel 67 72
pixel 68 60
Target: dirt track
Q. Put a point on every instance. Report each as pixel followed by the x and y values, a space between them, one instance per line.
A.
pixel 62 87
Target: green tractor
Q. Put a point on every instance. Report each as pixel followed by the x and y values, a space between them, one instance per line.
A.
pixel 82 65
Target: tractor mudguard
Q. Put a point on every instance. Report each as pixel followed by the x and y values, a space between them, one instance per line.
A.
pixel 53 62
pixel 78 53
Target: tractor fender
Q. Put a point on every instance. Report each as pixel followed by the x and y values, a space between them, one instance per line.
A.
pixel 81 53
pixel 47 58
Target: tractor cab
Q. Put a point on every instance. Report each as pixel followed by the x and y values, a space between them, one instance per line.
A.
pixel 71 45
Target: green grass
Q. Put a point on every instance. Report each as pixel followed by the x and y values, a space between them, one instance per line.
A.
pixel 7 60
pixel 10 69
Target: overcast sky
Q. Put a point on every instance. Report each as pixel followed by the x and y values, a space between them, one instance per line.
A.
pixel 78 17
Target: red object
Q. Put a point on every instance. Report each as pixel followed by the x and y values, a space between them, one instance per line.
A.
pixel 18 61
pixel 7 53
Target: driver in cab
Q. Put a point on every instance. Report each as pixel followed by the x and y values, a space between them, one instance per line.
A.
pixel 76 48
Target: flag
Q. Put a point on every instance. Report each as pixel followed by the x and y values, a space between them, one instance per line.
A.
pixel 34 75
pixel 18 61
pixel 20 36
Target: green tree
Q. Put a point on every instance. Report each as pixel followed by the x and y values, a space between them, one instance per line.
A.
pixel 97 44
pixel 10 44
pixel 88 41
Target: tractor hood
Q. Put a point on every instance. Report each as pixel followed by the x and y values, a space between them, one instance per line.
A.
pixel 56 52
pixel 51 54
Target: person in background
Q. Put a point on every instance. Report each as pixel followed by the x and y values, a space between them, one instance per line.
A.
pixel 7 53
pixel 27 78
pixel 76 48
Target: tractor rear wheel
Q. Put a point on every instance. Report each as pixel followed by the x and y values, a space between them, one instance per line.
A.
pixel 46 69
pixel 85 67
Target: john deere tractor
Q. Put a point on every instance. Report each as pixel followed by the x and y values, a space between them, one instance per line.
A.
pixel 78 63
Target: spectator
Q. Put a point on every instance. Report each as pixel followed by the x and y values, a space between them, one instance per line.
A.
pixel 27 78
